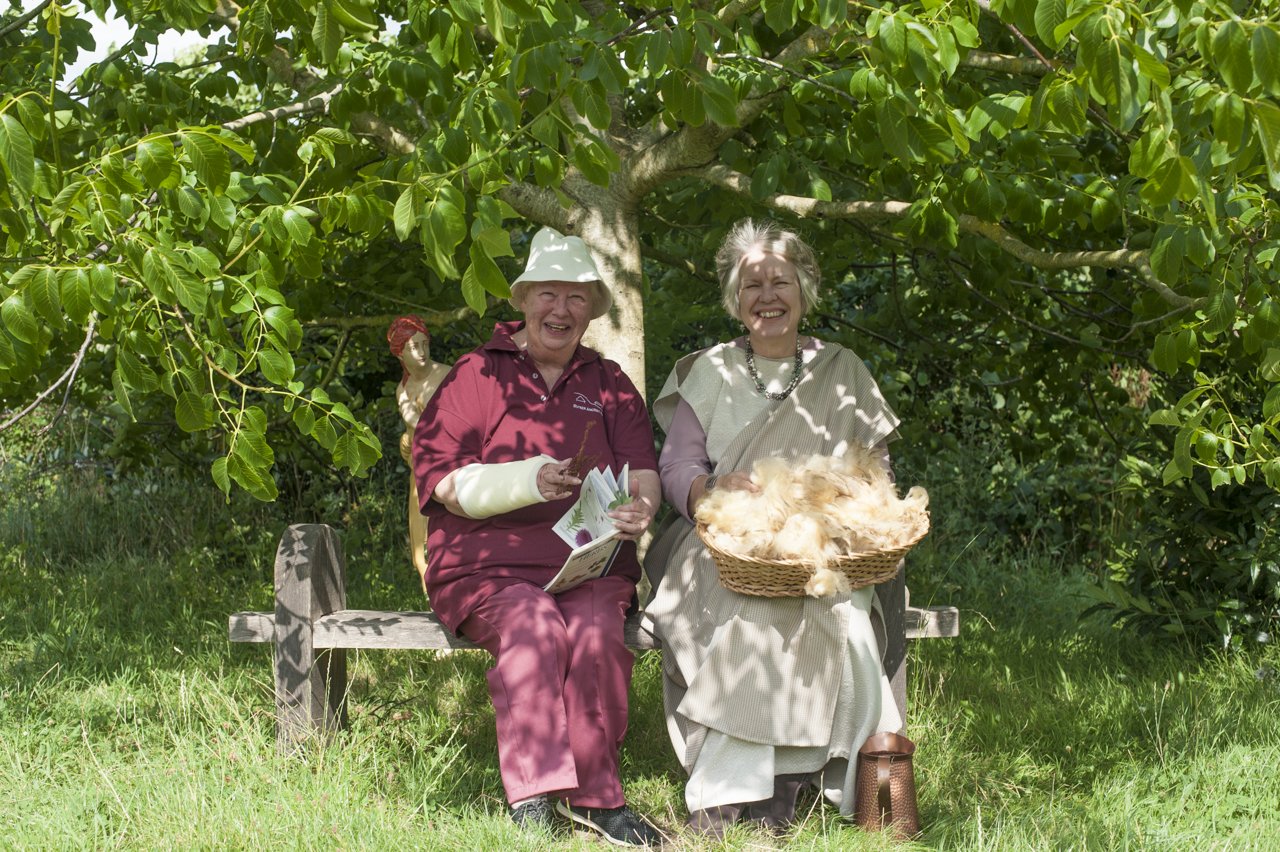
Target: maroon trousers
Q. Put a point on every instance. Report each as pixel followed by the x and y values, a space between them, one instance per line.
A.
pixel 559 687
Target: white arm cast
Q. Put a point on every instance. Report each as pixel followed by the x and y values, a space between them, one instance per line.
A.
pixel 485 490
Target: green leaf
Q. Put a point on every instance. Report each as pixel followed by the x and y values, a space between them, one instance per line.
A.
pixel 1150 66
pixel 155 159
pixel 893 39
pixel 405 214
pixel 304 418
pixel 446 228
pixel 19 319
pixel 194 412
pixel 1113 76
pixel 1271 405
pixel 121 392
pixel 1269 369
pixel 1164 417
pixel 1049 16
pixel 135 374
pixel 76 295
pixel 65 200
pixel 33 118
pixel 192 292
pixel 277 366
pixel 719 101
pixel 208 158
pixel 473 291
pixel 346 452
pixel 191 203
pixel 102 281
pixel 1168 252
pixel 297 225
pixel 218 470
pixel 1220 313
pixel 1229 120
pixel 158 274
pixel 487 273
pixel 254 478
pixel 324 433
pixel 285 324
pixel 1264 48
pixel 1231 56
pixel 17 153
pixel 46 295
pixel 1266 116
pixel 326 33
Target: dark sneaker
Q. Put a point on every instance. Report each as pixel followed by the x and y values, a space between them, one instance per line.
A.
pixel 619 826
pixel 534 815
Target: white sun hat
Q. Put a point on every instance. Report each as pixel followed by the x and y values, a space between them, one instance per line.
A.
pixel 555 257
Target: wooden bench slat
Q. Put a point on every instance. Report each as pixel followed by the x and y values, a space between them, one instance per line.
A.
pixel 362 628
pixel 311 630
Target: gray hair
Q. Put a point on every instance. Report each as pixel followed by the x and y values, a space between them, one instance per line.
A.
pixel 767 236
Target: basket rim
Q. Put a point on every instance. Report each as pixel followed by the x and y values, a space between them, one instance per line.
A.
pixel 840 561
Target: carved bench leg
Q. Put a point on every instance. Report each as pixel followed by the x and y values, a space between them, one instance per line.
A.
pixel 311 686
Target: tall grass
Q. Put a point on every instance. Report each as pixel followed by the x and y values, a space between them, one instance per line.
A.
pixel 128 721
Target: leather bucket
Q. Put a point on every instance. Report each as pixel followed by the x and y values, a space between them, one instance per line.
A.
pixel 886 785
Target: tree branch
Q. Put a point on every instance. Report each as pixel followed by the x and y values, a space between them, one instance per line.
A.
pixel 433 319
pixel 68 376
pixel 317 103
pixel 1139 261
pixel 1013 65
pixel 683 264
pixel 837 320
pixel 778 66
pixel 21 21
pixel 537 204
pixel 332 372
pixel 389 137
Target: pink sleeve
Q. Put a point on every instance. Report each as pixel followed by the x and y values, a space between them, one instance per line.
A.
pixel 631 437
pixel 684 457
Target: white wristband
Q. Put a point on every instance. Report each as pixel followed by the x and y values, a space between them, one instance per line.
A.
pixel 485 490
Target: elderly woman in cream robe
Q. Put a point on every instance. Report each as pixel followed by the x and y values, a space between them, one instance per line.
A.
pixel 763 696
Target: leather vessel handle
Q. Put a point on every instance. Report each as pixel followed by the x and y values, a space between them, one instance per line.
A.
pixel 883 793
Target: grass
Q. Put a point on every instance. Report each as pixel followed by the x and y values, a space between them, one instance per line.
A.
pixel 128 720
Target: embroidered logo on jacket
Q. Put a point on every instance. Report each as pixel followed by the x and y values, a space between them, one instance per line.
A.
pixel 582 403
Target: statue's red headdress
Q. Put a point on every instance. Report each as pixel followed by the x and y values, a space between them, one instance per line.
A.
pixel 401 330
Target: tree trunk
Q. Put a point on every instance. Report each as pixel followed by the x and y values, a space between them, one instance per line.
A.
pixel 611 230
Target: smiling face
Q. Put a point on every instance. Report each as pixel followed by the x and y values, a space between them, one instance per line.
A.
pixel 556 315
pixel 769 302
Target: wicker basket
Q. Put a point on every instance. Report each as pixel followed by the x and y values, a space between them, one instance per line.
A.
pixel 786 578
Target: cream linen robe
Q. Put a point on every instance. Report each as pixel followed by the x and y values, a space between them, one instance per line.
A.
pixel 755 687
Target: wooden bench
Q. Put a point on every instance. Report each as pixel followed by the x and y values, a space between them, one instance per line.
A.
pixel 311 629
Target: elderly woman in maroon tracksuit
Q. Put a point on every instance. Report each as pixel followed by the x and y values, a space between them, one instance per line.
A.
pixel 493 457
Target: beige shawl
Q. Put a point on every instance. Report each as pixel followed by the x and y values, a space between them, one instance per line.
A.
pixel 765 670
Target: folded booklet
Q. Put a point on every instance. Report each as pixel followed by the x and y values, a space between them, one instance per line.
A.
pixel 588 529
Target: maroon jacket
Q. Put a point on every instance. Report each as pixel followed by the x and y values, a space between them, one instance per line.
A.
pixel 491 409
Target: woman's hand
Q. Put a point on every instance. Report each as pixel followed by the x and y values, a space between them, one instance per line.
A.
pixel 633 518
pixel 555 482
pixel 738 480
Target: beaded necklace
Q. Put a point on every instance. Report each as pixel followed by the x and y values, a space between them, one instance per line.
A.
pixel 755 374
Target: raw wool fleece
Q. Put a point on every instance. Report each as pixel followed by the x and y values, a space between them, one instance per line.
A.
pixel 815 510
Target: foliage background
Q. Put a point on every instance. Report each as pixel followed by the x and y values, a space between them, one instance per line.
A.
pixel 1050 225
